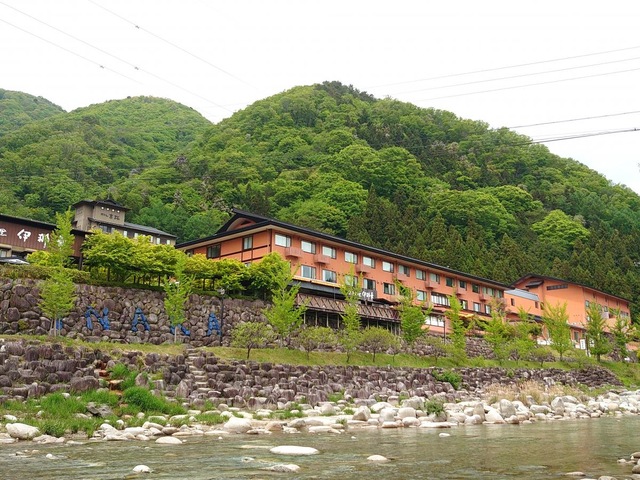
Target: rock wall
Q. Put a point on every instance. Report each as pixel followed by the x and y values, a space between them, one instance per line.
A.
pixel 31 368
pixel 19 313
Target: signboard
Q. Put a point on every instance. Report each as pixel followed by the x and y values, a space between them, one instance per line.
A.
pixel 367 295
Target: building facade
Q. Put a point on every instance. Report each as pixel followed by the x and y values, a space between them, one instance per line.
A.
pixel 321 262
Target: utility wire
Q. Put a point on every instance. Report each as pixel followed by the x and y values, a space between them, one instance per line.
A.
pixel 530 84
pixel 544 72
pixel 576 119
pixel 86 59
pixel 508 67
pixel 137 68
pixel 158 37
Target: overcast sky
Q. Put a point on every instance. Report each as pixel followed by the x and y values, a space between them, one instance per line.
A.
pixel 509 63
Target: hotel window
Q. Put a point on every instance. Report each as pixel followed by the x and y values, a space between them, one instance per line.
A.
pixel 283 240
pixel 450 282
pixel 351 280
pixel 329 276
pixel 476 307
pixel 513 302
pixel 464 304
pixel 308 272
pixel 389 289
pixel 487 309
pixel 463 284
pixel 157 240
pixel 404 270
pixel 329 251
pixel 368 284
pixel 369 262
pixel 213 251
pixel 125 234
pixel 350 257
pixel 387 266
pixel 439 299
pixel 434 277
pixel 434 321
pixel 421 274
pixel 247 243
pixel 475 288
pixel 421 296
pixel 308 247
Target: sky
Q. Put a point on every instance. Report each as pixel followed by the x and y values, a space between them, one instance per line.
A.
pixel 569 67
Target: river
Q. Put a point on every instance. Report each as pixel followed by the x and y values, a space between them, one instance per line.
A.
pixel 537 451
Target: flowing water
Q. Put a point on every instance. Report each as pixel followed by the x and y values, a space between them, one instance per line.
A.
pixel 536 451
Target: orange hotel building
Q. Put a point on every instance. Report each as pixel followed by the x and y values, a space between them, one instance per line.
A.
pixel 320 262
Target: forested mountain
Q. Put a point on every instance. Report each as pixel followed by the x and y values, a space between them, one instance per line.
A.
pixel 18 109
pixel 420 182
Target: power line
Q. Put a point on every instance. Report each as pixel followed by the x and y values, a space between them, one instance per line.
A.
pixel 530 84
pixel 508 67
pixel 137 68
pixel 148 32
pixel 581 135
pixel 576 119
pixel 69 51
pixel 544 72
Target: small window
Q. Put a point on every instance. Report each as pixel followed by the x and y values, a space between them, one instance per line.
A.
pixel 403 270
pixel 389 289
pixel 368 284
pixel 308 247
pixel 462 284
pixel 513 302
pixel 387 266
pixel 308 272
pixel 421 274
pixel 476 307
pixel 475 288
pixel 351 280
pixel 421 295
pixel 369 262
pixel 450 282
pixel 283 240
pixel 329 276
pixel 125 234
pixel 213 251
pixel 350 257
pixel 487 309
pixel 329 251
pixel 247 243
pixel 537 304
pixel 434 277
pixel 464 304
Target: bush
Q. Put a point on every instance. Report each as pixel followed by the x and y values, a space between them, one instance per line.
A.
pixel 146 401
pixel 434 407
pixel 448 376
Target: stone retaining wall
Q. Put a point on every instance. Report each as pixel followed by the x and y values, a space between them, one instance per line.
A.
pixel 19 313
pixel 31 368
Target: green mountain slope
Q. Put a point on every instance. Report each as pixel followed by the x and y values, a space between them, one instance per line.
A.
pixel 417 181
pixel 49 164
pixel 18 109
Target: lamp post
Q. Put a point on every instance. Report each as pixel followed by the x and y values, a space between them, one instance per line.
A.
pixel 221 291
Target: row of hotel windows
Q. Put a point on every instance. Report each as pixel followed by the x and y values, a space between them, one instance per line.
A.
pixel 127 234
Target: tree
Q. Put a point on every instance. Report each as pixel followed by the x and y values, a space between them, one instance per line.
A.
pixel 283 314
pixel 458 334
pixel 524 332
pixel 57 296
pixel 177 291
pixel 597 341
pixel 556 320
pixel 251 335
pixel 60 245
pixel 349 336
pixel 499 335
pixel 560 230
pixel 620 331
pixel 411 316
pixel 436 347
pixel 312 338
pixel 377 339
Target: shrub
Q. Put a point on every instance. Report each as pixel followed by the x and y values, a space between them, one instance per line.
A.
pixel 434 407
pixel 146 401
pixel 448 376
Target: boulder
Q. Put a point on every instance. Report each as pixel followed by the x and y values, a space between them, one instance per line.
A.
pixel 169 441
pixel 237 425
pixel 22 431
pixel 294 450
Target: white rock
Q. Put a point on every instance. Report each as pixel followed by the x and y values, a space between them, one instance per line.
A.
pixel 169 441
pixel 293 450
pixel 237 425
pixel 323 429
pixel 377 458
pixel 10 418
pixel 141 469
pixel 362 413
pixel 444 434
pixel 376 407
pixel 493 416
pixel 283 468
pixel 406 412
pixel 22 431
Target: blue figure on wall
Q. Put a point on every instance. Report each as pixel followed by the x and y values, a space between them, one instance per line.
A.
pixel 138 317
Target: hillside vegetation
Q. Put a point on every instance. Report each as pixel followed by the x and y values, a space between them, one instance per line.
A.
pixel 417 181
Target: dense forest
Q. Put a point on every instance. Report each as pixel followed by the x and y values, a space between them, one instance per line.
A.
pixel 420 182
